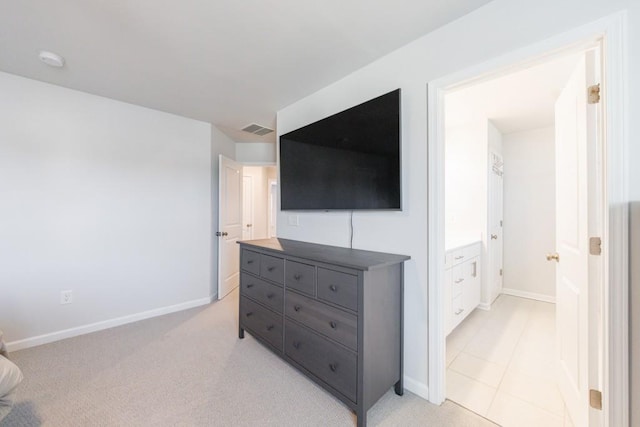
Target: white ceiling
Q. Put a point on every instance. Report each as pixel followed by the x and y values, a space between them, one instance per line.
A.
pixel 230 63
pixel 522 100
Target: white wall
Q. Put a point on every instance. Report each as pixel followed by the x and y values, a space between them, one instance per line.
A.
pixel 465 177
pixel 104 198
pixel 472 39
pixel 529 211
pixel 256 153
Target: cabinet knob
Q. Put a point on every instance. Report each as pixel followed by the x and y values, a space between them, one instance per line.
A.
pixel 250 285
pixel 249 314
pixel 494 237
pixel 459 280
pixel 296 344
pixel 271 268
pixel 296 307
pixel 333 324
pixel 270 327
pixel 250 261
pixel 333 367
pixel 297 277
pixel 334 288
pixel 270 296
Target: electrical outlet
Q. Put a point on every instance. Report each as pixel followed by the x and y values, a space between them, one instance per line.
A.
pixel 293 220
pixel 66 297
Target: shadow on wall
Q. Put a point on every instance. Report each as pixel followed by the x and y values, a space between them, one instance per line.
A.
pixel 634 310
pixel 22 414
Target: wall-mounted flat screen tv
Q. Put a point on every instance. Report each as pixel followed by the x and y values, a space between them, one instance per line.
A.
pixel 348 161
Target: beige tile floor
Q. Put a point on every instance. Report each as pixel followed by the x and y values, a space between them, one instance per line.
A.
pixel 500 364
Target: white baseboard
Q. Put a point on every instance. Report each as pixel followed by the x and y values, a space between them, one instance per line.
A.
pixel 484 306
pixel 416 387
pixel 105 324
pixel 530 295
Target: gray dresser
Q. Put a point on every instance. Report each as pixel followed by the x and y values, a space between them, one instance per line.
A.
pixel 334 313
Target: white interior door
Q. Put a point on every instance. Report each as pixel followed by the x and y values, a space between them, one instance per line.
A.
pixel 574 146
pixel 229 225
pixel 273 206
pixel 494 226
pixel 247 207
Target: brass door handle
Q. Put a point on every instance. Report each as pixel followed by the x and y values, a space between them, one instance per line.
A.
pixel 552 256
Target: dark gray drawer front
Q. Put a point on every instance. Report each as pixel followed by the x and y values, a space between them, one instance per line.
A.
pixel 338 288
pixel 250 261
pixel 332 364
pixel 262 322
pixel 272 268
pixel 301 277
pixel 331 322
pixel 261 291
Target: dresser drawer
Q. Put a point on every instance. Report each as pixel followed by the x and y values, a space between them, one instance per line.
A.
pixel 332 364
pixel 272 268
pixel 261 322
pixel 301 277
pixel 338 288
pixel 330 322
pixel 261 291
pixel 250 261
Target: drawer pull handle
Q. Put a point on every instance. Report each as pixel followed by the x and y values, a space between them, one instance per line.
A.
pixel 460 257
pixel 297 277
pixel 460 310
pixel 250 285
pixel 459 280
pixel 250 261
pixel 270 327
pixel 334 288
pixel 271 268
pixel 270 296
pixel 333 324
pixel 296 307
pixel 249 314
pixel 296 345
pixel 333 367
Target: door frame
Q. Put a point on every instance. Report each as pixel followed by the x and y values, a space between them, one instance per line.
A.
pixel 612 32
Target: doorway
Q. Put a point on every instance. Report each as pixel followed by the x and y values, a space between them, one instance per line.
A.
pixel 612 312
pixel 500 159
pixel 245 213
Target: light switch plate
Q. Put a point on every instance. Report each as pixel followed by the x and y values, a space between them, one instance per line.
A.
pixel 293 220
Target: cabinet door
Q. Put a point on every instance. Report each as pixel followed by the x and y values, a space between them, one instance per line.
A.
pixel 472 275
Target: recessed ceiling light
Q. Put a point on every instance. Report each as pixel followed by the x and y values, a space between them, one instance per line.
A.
pixel 51 59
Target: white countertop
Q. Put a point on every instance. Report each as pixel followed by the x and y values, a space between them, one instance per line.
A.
pixel 458 240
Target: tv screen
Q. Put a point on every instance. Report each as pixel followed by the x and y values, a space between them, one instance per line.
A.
pixel 348 161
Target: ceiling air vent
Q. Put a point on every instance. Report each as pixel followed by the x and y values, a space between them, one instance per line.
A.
pixel 257 129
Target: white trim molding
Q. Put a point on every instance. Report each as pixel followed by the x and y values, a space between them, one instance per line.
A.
pixel 416 387
pixel 105 324
pixel 612 30
pixel 529 295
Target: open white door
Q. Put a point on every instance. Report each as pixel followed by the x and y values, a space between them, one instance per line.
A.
pixel 576 145
pixel 229 225
pixel 495 241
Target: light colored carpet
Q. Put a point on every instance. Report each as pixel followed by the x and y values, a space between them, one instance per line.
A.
pixel 190 369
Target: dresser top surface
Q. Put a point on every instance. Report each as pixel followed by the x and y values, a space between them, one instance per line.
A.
pixel 351 258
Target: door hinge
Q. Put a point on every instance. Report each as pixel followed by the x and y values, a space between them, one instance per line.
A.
pixel 595 246
pixel 595 399
pixel 501 272
pixel 500 223
pixel 593 94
